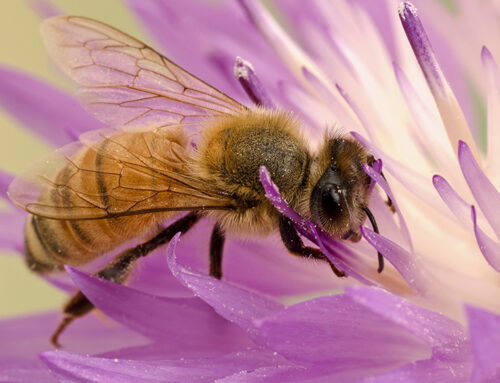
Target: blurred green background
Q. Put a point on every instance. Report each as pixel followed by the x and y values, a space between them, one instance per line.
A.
pixel 21 47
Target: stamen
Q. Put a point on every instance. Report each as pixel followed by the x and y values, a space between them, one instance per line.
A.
pixel 449 109
pixel 245 74
pixel 375 229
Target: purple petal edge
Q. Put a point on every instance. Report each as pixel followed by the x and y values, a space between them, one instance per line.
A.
pixel 181 321
pixel 450 197
pixel 377 177
pixel 489 248
pixel 484 191
pixel 304 227
pixel 235 304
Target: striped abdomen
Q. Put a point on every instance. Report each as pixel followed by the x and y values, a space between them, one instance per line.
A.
pixel 114 177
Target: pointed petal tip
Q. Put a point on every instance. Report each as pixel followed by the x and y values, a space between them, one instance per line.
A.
pixel 463 149
pixel 486 54
pixel 171 255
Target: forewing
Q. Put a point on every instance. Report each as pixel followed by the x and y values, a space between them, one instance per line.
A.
pixel 126 83
pixel 111 173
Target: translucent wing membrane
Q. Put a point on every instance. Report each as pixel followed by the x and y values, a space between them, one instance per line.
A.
pixel 111 173
pixel 140 165
pixel 126 83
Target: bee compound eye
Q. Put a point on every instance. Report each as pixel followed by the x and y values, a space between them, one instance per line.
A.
pixel 331 201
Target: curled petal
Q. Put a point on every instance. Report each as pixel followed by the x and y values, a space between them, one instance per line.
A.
pixel 449 109
pixel 377 177
pixel 489 248
pixel 305 227
pixel 233 303
pixel 455 203
pixel 404 262
pixel 484 192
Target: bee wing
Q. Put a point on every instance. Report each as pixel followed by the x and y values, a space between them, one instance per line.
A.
pixel 124 82
pixel 113 173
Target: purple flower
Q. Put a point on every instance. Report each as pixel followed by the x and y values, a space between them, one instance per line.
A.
pixel 375 74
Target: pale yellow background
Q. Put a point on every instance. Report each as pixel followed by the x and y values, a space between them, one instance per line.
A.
pixel 20 46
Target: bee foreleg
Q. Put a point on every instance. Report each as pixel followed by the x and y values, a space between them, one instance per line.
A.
pixel 389 200
pixel 119 269
pixel 216 249
pixel 295 246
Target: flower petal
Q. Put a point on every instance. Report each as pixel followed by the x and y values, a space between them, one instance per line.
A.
pixel 431 370
pixel 180 321
pixel 442 334
pixel 489 248
pixel 261 264
pixel 5 179
pixel 410 179
pixel 449 109
pixel 167 20
pixel 44 8
pixel 233 303
pixel 493 95
pixel 252 85
pixel 380 180
pixel 69 367
pixel 406 264
pixel 12 231
pixel 455 203
pixel 305 227
pixel 484 192
pixel 430 127
pixel 337 329
pixel 484 328
pixel 27 336
pixel 53 115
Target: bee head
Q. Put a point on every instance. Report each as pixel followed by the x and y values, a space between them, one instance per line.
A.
pixel 340 188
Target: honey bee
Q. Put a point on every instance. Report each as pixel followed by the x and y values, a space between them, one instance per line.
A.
pixel 126 181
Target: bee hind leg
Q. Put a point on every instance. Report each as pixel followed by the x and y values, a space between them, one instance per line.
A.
pixel 119 269
pixel 216 249
pixel 295 246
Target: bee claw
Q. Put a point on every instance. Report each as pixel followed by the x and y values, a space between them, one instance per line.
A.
pixel 62 325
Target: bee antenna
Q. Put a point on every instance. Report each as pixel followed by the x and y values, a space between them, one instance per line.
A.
pixel 375 229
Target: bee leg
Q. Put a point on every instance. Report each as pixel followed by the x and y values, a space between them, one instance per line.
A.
pixel 119 269
pixel 216 249
pixel 388 202
pixel 295 246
